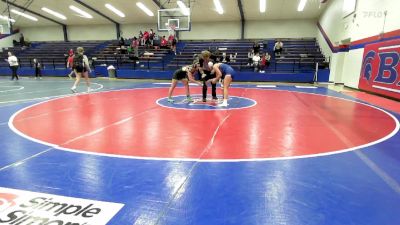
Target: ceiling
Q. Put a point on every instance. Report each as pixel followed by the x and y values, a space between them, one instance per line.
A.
pixel 201 10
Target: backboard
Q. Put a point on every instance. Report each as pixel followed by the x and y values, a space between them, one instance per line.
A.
pixel 173 19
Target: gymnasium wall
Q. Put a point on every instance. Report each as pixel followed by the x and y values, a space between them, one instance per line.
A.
pixel 92 32
pixel 45 33
pixel 281 29
pixel 366 25
pixel 200 31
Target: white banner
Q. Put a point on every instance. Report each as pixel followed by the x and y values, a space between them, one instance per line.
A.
pixel 24 207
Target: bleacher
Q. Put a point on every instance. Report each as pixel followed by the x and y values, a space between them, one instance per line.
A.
pixel 49 54
pixel 149 57
pixel 299 55
pixel 238 47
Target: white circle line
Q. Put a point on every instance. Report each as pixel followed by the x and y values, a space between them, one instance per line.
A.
pixel 213 109
pixel 48 98
pixel 397 127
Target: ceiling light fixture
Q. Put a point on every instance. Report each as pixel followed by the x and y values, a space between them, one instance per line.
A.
pixel 302 4
pixel 24 15
pixel 185 10
pixel 263 6
pixel 218 6
pixel 145 9
pixel 115 10
pixel 54 13
pixel 80 12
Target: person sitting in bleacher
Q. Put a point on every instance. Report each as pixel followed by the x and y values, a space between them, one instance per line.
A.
pixel 256 62
pixel 22 40
pixel 265 62
pixel 278 48
pixel 164 42
pixel 250 55
pixel 121 42
pixel 225 58
pixel 156 41
pixel 256 47
pixel 141 40
pixel 135 47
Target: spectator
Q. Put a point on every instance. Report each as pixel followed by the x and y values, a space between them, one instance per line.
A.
pixel 225 58
pixel 164 42
pixel 135 46
pixel 256 47
pixel 151 37
pixel 250 55
pixel 265 61
pixel 13 62
pixel 278 48
pixel 256 62
pixel 70 62
pixel 38 71
pixel 141 40
pixel 121 42
pixel 173 45
pixel 146 37
pixel 22 40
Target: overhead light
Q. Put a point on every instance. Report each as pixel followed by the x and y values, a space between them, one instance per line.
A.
pixel 7 19
pixel 24 15
pixel 263 5
pixel 116 11
pixel 185 10
pixel 302 4
pixel 145 9
pixel 54 13
pixel 80 12
pixel 218 6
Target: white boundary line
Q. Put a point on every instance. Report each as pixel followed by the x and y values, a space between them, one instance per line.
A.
pixel 396 129
pixel 17 89
pixel 386 89
pixel 306 87
pixel 266 86
pixel 52 97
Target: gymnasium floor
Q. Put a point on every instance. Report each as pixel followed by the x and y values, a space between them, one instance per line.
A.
pixel 280 154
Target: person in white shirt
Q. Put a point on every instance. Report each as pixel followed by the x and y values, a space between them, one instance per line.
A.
pixel 81 68
pixel 256 62
pixel 13 62
pixel 278 48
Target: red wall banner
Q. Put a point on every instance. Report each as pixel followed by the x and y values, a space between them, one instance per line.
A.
pixel 380 72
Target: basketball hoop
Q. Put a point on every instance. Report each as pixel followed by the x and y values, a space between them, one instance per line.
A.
pixel 171 29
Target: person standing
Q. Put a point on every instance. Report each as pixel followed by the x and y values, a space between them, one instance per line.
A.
pixel 70 61
pixel 185 75
pixel 81 68
pixel 226 73
pixel 13 62
pixel 205 68
pixel 38 71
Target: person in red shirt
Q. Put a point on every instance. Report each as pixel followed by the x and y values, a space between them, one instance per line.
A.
pixel 164 42
pixel 70 62
pixel 146 37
